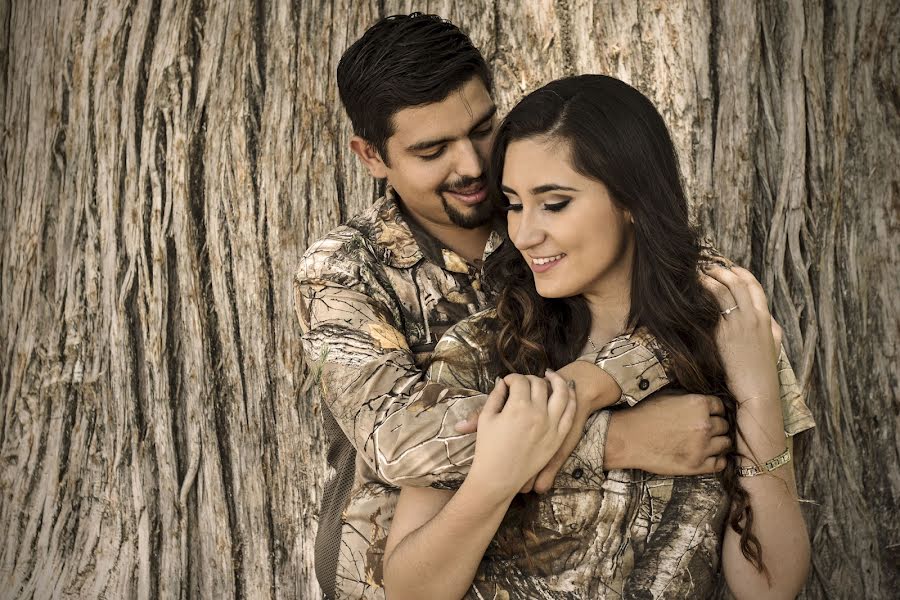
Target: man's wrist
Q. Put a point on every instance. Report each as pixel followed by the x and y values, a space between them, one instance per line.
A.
pixel 616 454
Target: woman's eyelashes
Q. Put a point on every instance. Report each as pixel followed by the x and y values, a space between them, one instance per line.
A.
pixel 550 206
pixel 557 206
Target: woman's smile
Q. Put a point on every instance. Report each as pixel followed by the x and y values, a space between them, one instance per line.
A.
pixel 542 265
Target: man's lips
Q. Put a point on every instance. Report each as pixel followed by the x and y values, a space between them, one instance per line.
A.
pixel 470 195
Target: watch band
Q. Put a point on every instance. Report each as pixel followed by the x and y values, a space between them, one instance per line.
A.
pixel 767 467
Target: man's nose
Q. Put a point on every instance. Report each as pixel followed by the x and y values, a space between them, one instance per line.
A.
pixel 468 161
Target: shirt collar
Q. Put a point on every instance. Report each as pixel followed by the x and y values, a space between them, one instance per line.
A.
pixel 405 243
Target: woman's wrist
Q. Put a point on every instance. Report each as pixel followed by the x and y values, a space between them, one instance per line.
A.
pixel 494 491
pixel 593 386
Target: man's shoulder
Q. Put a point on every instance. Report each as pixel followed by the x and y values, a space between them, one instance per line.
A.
pixel 342 253
pixel 470 332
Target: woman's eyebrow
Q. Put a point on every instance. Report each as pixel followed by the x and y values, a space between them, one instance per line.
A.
pixel 552 187
pixel 542 189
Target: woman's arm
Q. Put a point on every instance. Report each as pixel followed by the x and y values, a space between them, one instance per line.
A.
pixel 437 538
pixel 748 350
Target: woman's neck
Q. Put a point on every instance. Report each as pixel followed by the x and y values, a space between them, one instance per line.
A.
pixel 609 315
pixel 610 302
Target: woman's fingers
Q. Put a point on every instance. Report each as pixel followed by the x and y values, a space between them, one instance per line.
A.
pixel 568 417
pixel 496 399
pixel 519 388
pixel 540 390
pixel 754 288
pixel 719 291
pixel 559 397
pixel 735 284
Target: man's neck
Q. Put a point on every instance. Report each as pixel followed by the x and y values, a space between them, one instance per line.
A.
pixel 468 243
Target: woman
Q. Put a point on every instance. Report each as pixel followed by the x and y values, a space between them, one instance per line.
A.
pixel 601 243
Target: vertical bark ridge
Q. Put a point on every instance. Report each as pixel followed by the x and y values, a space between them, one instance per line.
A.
pixel 165 163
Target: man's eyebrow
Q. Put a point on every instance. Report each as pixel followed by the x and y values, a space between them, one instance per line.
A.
pixel 542 189
pixel 426 144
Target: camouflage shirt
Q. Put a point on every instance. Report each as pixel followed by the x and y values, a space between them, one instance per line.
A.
pixel 623 533
pixel 373 298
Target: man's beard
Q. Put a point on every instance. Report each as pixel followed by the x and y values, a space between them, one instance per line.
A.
pixel 480 214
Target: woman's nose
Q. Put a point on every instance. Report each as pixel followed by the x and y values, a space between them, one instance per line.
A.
pixel 526 231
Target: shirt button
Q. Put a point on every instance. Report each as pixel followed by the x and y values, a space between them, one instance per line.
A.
pixel 577 473
pixel 643 384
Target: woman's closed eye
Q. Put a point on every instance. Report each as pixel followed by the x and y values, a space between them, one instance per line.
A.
pixel 557 206
pixel 550 206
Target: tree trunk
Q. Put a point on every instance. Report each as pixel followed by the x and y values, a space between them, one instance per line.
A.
pixel 165 164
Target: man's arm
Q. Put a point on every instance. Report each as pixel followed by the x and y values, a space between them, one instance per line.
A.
pixel 399 424
pixel 685 435
pixel 626 370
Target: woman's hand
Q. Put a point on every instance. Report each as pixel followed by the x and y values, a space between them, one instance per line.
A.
pixel 518 436
pixel 746 333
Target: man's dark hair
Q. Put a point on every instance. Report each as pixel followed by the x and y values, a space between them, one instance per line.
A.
pixel 400 62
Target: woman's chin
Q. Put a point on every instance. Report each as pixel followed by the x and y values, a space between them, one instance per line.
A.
pixel 549 291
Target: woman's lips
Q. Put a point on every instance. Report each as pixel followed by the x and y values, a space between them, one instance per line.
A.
pixel 546 266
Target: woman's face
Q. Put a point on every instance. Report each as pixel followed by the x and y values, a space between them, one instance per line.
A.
pixel 566 226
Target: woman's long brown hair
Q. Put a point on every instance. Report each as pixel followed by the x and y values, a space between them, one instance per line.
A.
pixel 615 135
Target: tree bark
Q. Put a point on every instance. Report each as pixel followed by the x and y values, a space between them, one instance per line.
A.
pixel 165 163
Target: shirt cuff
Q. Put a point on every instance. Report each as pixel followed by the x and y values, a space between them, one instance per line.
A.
pixel 584 467
pixel 637 363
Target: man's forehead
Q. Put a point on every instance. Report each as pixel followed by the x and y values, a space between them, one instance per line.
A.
pixel 452 117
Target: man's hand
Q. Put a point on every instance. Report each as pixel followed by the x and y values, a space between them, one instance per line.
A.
pixel 669 434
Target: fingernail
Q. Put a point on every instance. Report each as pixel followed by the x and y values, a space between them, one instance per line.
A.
pixel 548 371
pixel 496 381
pixel 571 384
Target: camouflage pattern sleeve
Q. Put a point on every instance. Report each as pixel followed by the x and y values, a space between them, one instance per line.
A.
pixel 401 425
pixel 797 416
pixel 461 360
pixel 636 361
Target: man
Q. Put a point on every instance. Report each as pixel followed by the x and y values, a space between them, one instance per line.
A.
pixel 375 295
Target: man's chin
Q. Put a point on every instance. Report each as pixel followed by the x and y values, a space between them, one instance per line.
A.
pixel 468 216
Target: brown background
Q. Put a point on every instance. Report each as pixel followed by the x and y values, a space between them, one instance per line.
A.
pixel 164 164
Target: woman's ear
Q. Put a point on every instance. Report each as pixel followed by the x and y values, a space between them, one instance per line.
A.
pixel 369 156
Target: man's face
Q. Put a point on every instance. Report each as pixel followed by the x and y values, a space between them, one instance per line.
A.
pixel 437 157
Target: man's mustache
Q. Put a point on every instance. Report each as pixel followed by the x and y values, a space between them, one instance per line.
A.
pixel 463 186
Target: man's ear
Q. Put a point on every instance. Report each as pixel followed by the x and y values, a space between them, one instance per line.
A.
pixel 369 156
